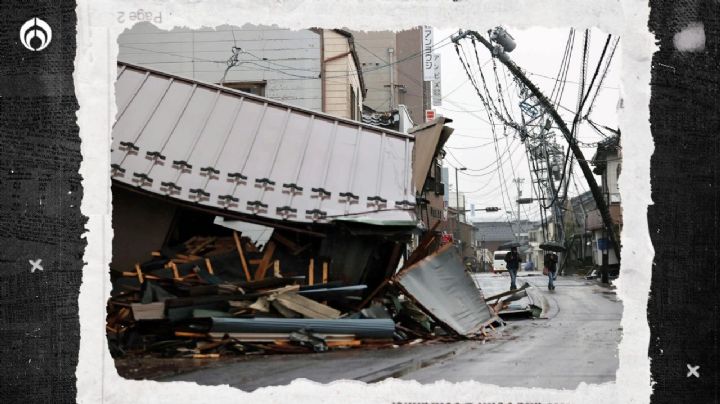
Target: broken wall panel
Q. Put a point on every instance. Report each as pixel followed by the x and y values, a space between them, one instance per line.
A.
pixel 442 287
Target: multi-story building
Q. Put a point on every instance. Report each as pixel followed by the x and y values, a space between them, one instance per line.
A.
pixel 392 68
pixel 317 69
pixel 608 163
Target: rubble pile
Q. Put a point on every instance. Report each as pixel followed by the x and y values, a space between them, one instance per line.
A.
pixel 199 300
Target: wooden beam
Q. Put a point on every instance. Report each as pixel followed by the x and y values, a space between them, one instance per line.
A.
pixel 242 256
pixel 307 307
pixel 276 269
pixel 206 356
pixel 266 261
pixel 176 274
pixel 311 272
pixel 202 245
pixel 139 273
pixel 208 264
pixel 343 343
pixel 325 272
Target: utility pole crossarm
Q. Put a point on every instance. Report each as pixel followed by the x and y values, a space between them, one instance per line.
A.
pixel 587 172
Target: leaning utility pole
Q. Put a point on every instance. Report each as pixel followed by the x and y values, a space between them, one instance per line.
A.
pixel 518 182
pixel 547 105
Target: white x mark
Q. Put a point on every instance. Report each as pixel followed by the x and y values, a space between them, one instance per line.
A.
pixel 693 371
pixel 36 265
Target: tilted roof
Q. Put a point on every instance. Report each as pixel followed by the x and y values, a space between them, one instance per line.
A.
pixel 229 150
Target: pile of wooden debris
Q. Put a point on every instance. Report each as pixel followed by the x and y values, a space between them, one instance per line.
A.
pixel 200 300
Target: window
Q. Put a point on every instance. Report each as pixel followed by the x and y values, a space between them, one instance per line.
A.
pixel 252 87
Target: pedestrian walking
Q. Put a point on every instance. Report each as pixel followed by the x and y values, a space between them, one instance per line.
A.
pixel 529 266
pixel 550 262
pixel 512 263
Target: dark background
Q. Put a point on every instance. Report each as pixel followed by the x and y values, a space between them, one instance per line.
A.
pixel 685 219
pixel 40 197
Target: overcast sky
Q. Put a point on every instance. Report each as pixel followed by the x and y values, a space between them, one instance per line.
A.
pixel 539 52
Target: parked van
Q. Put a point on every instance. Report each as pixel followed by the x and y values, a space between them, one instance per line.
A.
pixel 499 261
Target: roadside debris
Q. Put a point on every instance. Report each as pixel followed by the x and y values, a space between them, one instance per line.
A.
pixel 216 296
pixel 460 306
pixel 522 302
pixel 292 248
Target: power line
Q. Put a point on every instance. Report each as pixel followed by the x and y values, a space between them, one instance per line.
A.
pixel 435 46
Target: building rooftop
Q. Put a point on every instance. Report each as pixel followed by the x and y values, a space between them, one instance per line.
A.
pixel 229 151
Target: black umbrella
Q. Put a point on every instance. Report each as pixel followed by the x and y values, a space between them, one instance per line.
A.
pixel 555 246
pixel 509 245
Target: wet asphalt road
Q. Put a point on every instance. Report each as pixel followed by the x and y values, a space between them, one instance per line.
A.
pixel 577 343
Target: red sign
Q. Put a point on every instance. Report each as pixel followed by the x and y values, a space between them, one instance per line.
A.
pixel 447 238
pixel 429 115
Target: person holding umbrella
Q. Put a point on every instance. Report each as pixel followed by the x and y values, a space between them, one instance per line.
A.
pixel 550 262
pixel 512 261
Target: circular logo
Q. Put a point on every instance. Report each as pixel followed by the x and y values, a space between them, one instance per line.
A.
pixel 35 34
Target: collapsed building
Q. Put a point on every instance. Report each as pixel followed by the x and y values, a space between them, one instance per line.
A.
pixel 246 224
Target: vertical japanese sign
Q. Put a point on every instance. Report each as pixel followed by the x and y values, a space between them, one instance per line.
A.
pixel 427 45
pixel 436 88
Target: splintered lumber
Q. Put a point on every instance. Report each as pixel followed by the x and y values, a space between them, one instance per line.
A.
pixel 261 304
pixel 208 264
pixel 343 343
pixel 139 273
pixel 135 275
pixel 284 311
pixel 206 356
pixel 202 245
pixel 242 256
pixel 185 334
pixel 266 261
pixel 311 272
pixel 276 269
pixel 176 274
pixel 307 307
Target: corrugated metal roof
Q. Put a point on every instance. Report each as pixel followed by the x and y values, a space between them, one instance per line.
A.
pixel 440 284
pixel 214 146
